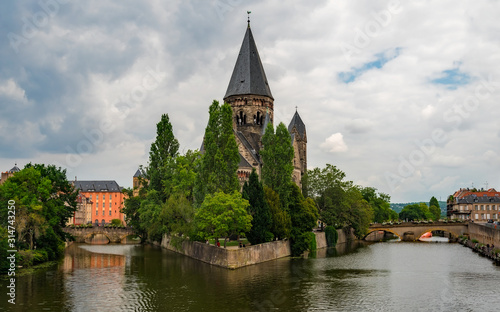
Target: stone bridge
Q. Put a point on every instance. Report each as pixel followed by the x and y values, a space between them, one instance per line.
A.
pixel 114 235
pixel 408 231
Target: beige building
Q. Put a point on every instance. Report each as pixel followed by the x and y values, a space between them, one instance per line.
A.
pixel 479 206
pixel 83 213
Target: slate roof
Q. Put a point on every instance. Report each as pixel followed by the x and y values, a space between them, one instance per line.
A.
pixel 14 169
pixel 138 174
pixel 97 186
pixel 248 75
pixel 470 199
pixel 298 123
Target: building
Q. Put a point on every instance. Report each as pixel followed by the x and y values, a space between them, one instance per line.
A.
pixel 8 174
pixel 106 197
pixel 83 213
pixel 138 181
pixel 480 206
pixel 250 97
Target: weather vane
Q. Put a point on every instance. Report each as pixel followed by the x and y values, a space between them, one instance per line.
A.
pixel 248 12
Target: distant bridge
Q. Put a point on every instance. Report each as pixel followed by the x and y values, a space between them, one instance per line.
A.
pixel 408 231
pixel 114 235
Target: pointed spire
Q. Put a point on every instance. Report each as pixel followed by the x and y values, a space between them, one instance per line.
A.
pixel 248 76
pixel 297 123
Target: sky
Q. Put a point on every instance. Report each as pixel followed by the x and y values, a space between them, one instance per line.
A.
pixel 400 96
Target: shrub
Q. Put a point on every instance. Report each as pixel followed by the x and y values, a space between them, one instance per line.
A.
pixel 475 241
pixel 331 236
pixel 312 241
pixel 116 222
pixel 25 258
pixel 40 256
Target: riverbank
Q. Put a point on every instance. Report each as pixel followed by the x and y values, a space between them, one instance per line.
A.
pixel 487 251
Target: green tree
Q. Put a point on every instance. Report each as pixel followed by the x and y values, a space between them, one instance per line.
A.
pixel 181 175
pixel 434 208
pixel 281 222
pixel 277 156
pixel 415 212
pixel 341 203
pixel 380 204
pixel 220 159
pixel 253 191
pixel 303 215
pixel 44 201
pixel 162 151
pixel 178 215
pixel 223 215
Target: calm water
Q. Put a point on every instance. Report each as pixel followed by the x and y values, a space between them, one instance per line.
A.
pixel 390 276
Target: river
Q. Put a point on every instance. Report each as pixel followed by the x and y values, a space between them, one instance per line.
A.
pixel 389 276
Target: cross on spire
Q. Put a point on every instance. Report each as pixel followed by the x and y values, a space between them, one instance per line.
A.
pixel 248 12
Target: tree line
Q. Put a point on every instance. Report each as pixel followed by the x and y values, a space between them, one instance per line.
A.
pixel 198 196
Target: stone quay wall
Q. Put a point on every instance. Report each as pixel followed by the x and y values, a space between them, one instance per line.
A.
pixel 241 257
pixel 230 258
pixel 484 234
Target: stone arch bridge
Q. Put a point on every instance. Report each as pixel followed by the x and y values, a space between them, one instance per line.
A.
pixel 114 235
pixel 408 231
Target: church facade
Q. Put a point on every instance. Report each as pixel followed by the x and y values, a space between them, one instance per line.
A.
pixel 252 102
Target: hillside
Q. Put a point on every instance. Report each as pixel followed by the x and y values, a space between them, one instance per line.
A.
pixel 399 206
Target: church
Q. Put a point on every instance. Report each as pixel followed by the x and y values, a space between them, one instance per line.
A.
pixel 250 97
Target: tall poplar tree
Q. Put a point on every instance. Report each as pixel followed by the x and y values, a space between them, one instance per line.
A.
pixel 162 151
pixel 220 159
pixel 277 156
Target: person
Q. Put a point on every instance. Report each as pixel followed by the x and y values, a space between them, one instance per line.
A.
pixel 218 243
pixel 241 245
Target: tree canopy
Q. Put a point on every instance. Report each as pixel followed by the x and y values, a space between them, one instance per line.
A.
pixel 223 215
pixel 259 210
pixel 220 159
pixel 44 201
pixel 277 156
pixel 163 150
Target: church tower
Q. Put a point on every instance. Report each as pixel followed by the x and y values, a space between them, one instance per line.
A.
pixel 250 97
pixel 252 102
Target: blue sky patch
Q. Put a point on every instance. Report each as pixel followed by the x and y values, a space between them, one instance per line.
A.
pixel 380 60
pixel 452 78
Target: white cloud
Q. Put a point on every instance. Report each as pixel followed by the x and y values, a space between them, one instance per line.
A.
pixel 11 90
pixel 334 144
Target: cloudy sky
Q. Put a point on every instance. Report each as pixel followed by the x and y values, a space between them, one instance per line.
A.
pixel 400 96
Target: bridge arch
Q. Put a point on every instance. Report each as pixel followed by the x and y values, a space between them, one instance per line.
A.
pixel 385 230
pixel 431 229
pixel 95 233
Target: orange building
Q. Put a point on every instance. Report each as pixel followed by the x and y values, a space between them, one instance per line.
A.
pixel 107 200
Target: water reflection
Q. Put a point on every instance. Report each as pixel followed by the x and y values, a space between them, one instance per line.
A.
pixel 359 276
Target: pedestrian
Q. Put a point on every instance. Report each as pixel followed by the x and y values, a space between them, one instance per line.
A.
pixel 218 243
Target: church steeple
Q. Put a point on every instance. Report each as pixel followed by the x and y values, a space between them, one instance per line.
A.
pixel 248 76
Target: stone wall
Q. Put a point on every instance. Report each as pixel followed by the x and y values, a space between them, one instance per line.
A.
pixel 484 234
pixel 230 258
pixel 240 257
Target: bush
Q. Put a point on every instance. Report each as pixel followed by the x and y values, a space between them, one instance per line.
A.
pixel 40 256
pixel 312 241
pixel 25 258
pixel 116 222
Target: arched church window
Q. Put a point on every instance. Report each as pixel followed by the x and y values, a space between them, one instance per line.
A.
pixel 257 121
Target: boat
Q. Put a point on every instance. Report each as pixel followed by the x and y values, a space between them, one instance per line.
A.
pixel 426 235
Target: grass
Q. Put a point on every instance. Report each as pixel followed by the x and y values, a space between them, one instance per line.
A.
pixel 244 241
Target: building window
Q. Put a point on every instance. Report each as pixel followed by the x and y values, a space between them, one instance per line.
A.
pixel 487 207
pixel 110 205
pixel 493 207
pixel 97 197
pixel 110 212
pixel 482 216
pixel 477 216
pixel 110 196
pixel 482 207
pixel 475 207
pixel 96 212
pixel 90 196
pixel 103 204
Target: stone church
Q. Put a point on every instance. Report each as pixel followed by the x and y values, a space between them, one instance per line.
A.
pixel 252 102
